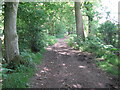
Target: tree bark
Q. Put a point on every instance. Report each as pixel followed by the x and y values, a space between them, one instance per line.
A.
pixel 0 51
pixel 79 21
pixel 11 37
pixel 0 61
pixel 119 24
pixel 119 36
pixel 89 25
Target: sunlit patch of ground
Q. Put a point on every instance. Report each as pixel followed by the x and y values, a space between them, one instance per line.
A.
pixel 64 67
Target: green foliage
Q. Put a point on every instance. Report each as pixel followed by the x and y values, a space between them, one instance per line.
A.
pixel 109 68
pixel 91 16
pixel 17 80
pixel 59 14
pixel 1 20
pixel 59 30
pixel 50 40
pixel 18 61
pixel 71 41
pixel 37 20
pixel 108 33
pixel 100 49
pixel 89 10
pixel 32 57
pixel 31 18
pixel 33 37
pixel 19 77
pixel 38 25
pixel 37 42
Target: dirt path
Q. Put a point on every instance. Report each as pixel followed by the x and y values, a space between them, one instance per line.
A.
pixel 63 67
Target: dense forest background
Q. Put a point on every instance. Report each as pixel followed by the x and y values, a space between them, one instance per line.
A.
pixel 27 28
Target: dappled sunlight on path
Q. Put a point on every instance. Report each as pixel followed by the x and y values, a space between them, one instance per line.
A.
pixel 64 67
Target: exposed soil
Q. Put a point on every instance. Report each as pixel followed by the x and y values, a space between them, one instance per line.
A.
pixel 64 67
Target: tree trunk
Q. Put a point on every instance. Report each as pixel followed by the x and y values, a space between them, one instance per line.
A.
pixel 119 36
pixel 11 37
pixel 0 61
pixel 69 31
pixel 0 51
pixel 119 24
pixel 89 25
pixel 79 21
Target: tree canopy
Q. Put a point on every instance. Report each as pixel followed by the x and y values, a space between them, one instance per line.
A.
pixel 28 28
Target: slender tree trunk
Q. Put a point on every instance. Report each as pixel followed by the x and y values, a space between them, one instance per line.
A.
pixel 0 51
pixel 89 28
pixel 119 36
pixel 0 61
pixel 69 31
pixel 89 25
pixel 119 24
pixel 79 21
pixel 11 37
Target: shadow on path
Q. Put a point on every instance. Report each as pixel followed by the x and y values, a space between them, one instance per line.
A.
pixel 64 67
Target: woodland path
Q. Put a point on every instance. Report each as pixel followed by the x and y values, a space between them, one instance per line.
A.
pixel 64 67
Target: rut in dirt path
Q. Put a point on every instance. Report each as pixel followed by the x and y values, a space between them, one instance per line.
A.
pixel 64 67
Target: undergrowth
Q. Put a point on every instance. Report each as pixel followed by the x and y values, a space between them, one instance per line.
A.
pixel 106 55
pixel 18 77
pixel 50 40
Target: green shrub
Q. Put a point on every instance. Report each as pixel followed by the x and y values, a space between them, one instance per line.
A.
pixel 17 80
pixel 100 49
pixel 19 77
pixel 108 33
pixel 50 40
pixel 60 29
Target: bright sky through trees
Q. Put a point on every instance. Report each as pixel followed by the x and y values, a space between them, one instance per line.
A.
pixel 112 6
